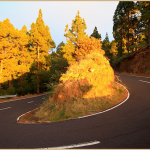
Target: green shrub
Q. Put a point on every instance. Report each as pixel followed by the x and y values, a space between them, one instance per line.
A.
pixel 11 90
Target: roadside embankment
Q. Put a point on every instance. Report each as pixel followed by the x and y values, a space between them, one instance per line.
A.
pixel 137 63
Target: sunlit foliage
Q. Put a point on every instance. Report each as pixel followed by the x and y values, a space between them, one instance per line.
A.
pixel 86 46
pixel 41 40
pixel 94 72
pixel 23 56
pixel 72 35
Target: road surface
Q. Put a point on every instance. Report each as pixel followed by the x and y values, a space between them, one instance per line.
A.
pixel 126 126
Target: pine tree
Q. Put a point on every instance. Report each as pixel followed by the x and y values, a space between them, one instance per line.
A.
pixel 3 45
pixel 144 8
pixel 106 45
pixel 40 39
pixel 128 9
pixel 60 47
pixel 118 29
pixel 113 49
pixel 106 42
pixel 24 58
pixel 139 30
pixel 95 34
pixel 72 35
pixel 10 49
pixel 124 24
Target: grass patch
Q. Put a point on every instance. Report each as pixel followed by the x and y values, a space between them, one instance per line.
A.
pixel 85 88
pixel 79 106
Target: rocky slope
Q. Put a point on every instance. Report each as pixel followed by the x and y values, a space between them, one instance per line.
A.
pixel 137 63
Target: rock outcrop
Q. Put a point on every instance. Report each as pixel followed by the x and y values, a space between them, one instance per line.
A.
pixel 137 63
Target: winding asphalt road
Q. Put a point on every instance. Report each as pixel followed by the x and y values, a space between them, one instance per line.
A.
pixel 126 126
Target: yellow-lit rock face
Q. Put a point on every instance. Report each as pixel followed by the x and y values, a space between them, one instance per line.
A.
pixel 95 68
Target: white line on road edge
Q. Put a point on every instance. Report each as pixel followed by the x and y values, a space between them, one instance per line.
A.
pixel 21 99
pixel 135 76
pixel 117 75
pixel 24 114
pixel 109 108
pixel 95 113
pixel 74 146
pixel 144 81
pixel 31 102
pixel 5 108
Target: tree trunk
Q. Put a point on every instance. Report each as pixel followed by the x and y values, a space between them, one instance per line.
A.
pixel 121 42
pixel 132 42
pixel 41 87
pixel 128 34
pixel 136 44
pixel 0 72
pixel 21 83
pixel 149 32
pixel 38 81
pixel 137 39
pixel 9 82
pixel 121 49
pixel 38 71
pixel 128 45
pixel 1 65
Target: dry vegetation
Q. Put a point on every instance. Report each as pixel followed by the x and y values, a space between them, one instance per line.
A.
pixel 89 84
pixel 87 87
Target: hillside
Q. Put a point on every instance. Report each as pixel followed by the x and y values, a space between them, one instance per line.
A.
pixel 137 63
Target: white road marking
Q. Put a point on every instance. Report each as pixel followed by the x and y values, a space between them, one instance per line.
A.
pixel 74 146
pixel 98 112
pixel 135 76
pixel 24 114
pixel 109 108
pixel 31 102
pixel 144 81
pixel 117 76
pixel 139 76
pixel 5 108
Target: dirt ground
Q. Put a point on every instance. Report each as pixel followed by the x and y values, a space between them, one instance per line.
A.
pixel 29 118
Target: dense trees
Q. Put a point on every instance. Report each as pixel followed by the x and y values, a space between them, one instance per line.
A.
pixel 59 64
pixel 26 64
pixel 122 28
pixel 9 51
pixel 131 28
pixel 144 8
pixel 24 57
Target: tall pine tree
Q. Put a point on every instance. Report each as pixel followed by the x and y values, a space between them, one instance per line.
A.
pixel 72 35
pixel 10 49
pixel 123 26
pixel 40 39
pixel 144 8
